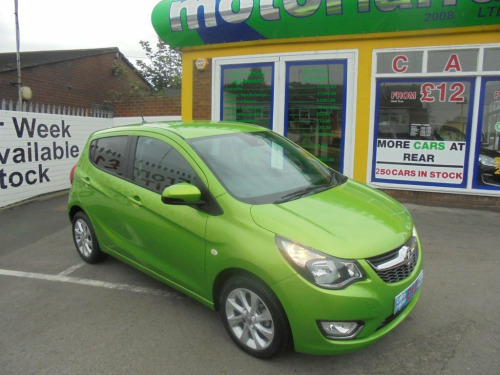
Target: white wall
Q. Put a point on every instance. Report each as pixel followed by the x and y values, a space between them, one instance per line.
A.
pixel 37 150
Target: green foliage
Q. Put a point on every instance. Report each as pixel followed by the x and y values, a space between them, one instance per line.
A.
pixel 164 69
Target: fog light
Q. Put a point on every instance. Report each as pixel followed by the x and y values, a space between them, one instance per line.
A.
pixel 341 330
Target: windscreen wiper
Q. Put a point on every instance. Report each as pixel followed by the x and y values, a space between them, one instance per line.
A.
pixel 302 192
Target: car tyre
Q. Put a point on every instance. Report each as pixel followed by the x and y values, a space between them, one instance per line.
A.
pixel 253 317
pixel 85 239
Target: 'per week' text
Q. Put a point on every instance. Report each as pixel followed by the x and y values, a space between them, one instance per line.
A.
pixel 47 143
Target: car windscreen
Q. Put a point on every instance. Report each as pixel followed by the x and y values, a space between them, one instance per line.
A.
pixel 263 167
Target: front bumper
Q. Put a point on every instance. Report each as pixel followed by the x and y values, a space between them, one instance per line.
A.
pixel 370 301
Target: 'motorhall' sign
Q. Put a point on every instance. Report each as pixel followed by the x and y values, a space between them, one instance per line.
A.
pixel 183 23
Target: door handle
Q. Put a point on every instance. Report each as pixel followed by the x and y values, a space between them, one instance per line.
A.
pixel 135 200
pixel 86 180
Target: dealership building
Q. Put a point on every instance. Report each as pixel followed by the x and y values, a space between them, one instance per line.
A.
pixel 403 95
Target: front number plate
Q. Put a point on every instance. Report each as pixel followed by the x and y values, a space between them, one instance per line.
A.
pixel 404 298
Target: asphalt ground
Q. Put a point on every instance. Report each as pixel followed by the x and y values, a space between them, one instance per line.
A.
pixel 59 315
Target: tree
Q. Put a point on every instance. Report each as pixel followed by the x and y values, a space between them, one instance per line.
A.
pixel 164 69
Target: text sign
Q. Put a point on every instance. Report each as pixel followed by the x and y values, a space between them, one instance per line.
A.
pixel 37 152
pixel 439 162
pixel 183 23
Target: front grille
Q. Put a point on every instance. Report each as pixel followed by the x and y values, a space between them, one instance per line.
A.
pixel 398 264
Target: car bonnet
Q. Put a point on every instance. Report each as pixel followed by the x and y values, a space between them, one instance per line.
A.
pixel 350 221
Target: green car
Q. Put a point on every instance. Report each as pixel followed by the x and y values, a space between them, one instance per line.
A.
pixel 287 250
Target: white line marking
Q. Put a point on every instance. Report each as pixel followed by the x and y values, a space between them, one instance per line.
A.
pixel 96 283
pixel 70 270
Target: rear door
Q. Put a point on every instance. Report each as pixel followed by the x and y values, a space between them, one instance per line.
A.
pixel 105 188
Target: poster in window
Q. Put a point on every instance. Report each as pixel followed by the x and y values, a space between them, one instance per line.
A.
pixel 315 108
pixel 422 131
pixel 247 94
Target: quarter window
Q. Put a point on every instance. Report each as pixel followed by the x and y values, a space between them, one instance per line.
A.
pixel 109 153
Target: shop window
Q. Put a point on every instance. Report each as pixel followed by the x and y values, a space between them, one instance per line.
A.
pixel 247 93
pixel 400 62
pixel 425 130
pixel 315 108
pixel 491 59
pixel 422 131
pixel 487 163
pixel 452 61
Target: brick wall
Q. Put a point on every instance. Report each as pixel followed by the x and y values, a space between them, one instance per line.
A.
pixel 202 93
pixel 73 83
pixel 446 200
pixel 162 106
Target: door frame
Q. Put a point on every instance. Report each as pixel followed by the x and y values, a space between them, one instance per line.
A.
pixel 279 90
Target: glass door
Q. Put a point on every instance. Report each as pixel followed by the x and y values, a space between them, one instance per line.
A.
pixel 308 99
pixel 315 108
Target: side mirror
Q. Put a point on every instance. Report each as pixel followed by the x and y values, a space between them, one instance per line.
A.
pixel 181 194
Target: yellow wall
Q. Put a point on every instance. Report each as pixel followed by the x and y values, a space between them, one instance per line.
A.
pixel 364 44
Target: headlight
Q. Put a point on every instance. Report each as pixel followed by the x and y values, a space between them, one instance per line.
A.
pixel 319 268
pixel 486 160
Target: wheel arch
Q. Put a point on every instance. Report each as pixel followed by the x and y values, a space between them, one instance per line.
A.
pixel 229 273
pixel 73 211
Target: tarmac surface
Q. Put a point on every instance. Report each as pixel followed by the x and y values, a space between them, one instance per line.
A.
pixel 59 315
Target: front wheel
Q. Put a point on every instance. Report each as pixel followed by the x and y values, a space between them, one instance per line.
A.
pixel 253 317
pixel 85 239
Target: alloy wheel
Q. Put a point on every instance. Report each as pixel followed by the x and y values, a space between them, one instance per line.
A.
pixel 249 319
pixel 83 238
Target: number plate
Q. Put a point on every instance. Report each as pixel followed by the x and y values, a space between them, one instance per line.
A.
pixel 404 298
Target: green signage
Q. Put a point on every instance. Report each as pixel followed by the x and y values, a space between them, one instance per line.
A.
pixel 183 23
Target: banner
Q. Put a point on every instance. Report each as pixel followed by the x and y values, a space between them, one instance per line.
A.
pixel 183 23
pixel 37 152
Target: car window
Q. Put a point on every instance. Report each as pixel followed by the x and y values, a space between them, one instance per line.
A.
pixel 158 165
pixel 109 154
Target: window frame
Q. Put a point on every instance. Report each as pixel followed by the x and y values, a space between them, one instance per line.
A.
pixel 477 77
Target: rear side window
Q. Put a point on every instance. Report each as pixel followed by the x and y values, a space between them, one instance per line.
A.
pixel 109 154
pixel 158 165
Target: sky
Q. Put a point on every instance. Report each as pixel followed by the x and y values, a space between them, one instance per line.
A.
pixel 68 24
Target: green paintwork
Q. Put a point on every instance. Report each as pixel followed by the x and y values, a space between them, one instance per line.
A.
pixel 335 210
pixel 184 192
pixel 195 251
pixel 257 19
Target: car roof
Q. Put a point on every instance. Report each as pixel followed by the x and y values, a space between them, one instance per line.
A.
pixel 188 130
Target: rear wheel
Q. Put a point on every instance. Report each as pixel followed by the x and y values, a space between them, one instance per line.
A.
pixel 253 317
pixel 85 239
